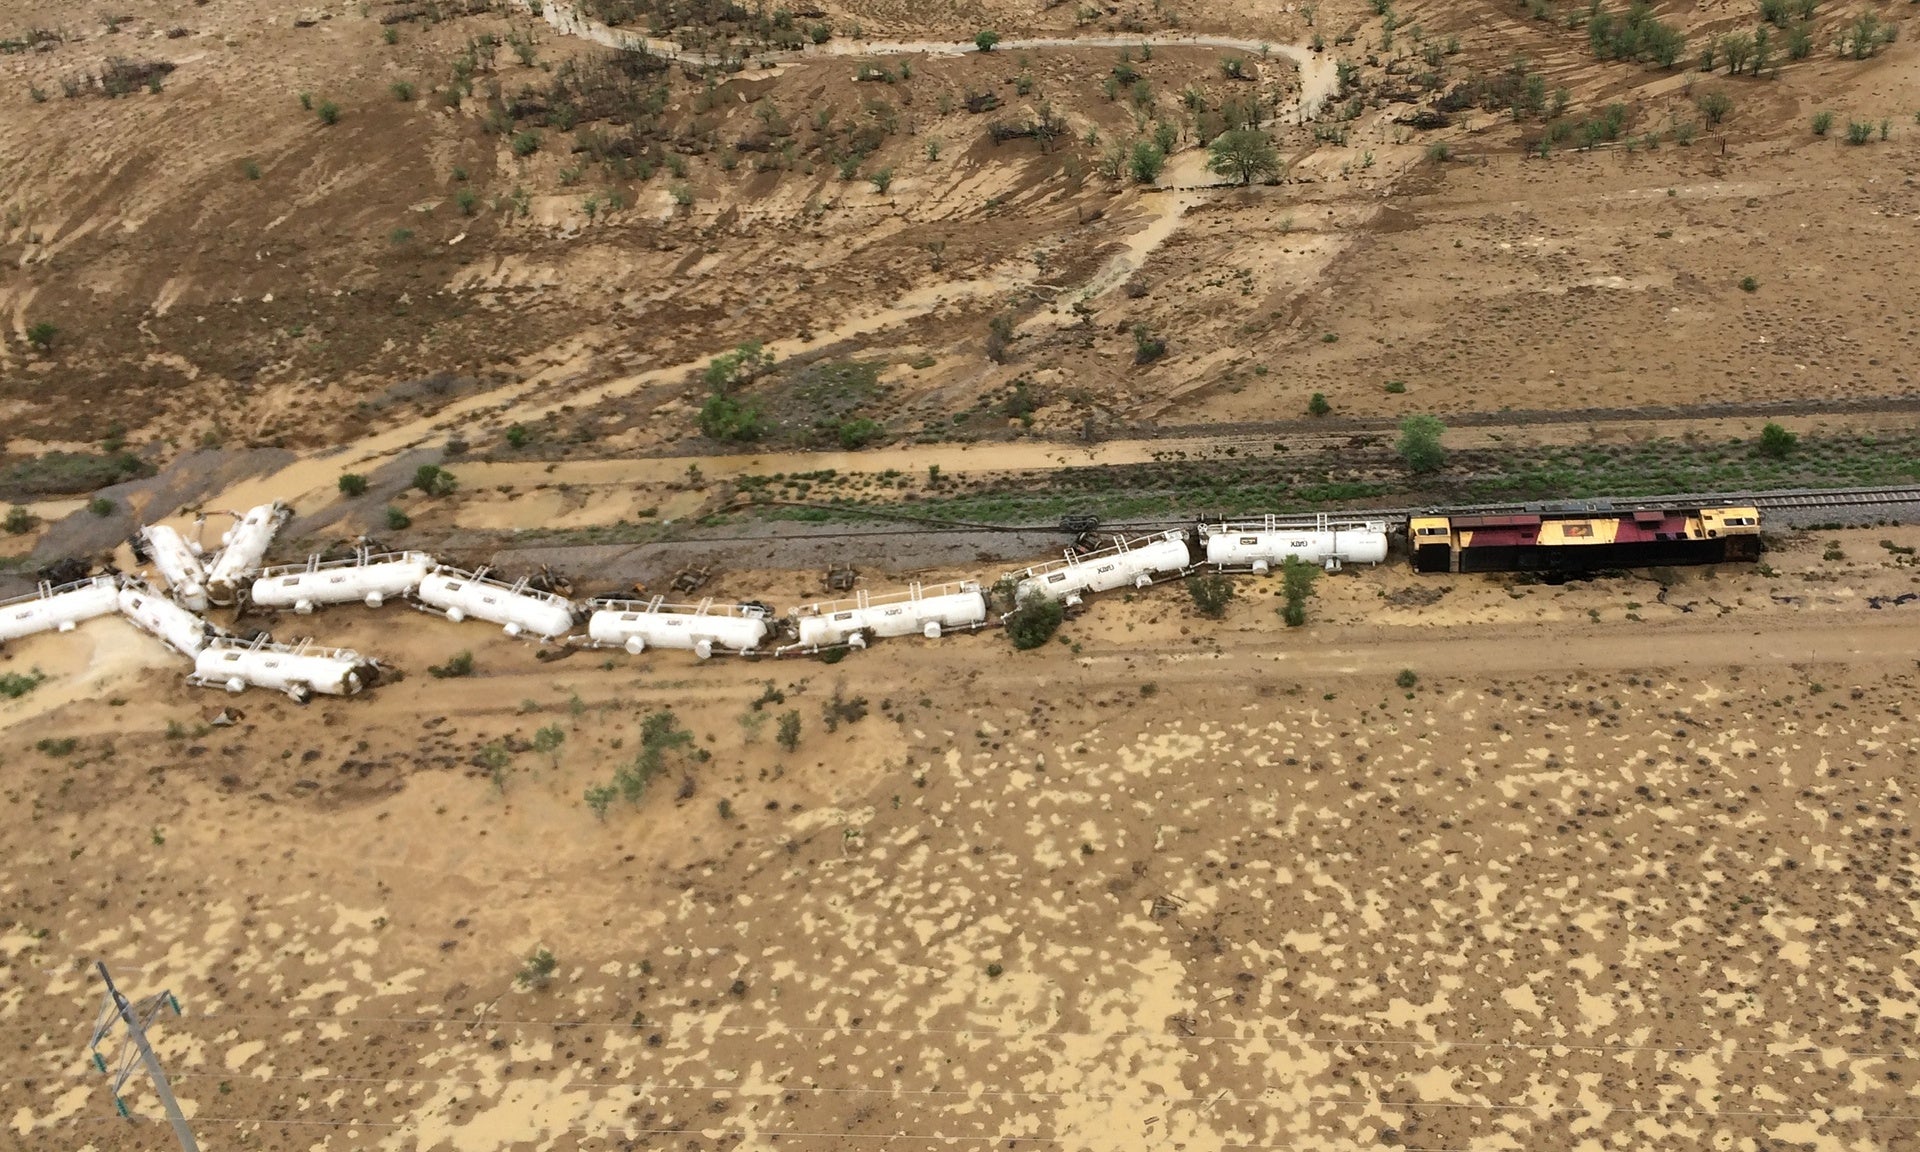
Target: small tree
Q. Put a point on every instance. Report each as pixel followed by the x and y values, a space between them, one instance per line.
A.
pixel 985 39
pixel 102 507
pixel 1211 594
pixel 329 113
pixel 1145 161
pixel 20 521
pixel 1244 155
pixel 352 484
pixel 1715 106
pixel 599 798
pixel 547 742
pixel 724 418
pixel 1034 622
pixel 999 335
pixel 745 364
pixel 1297 577
pixel 537 973
pixel 788 734
pixel 1419 446
pixel 458 665
pixel 1146 346
pixel 434 480
pixel 1407 678
pixel 1777 442
pixel 397 519
pixel 1317 404
pixel 41 335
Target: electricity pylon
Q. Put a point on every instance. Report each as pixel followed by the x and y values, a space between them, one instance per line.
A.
pixel 134 1047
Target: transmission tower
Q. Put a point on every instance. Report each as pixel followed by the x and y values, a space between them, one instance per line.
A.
pixel 138 1017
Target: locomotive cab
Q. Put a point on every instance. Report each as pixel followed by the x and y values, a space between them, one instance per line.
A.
pixel 1430 541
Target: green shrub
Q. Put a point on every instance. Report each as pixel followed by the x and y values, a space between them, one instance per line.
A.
pixel 1317 404
pixel 787 734
pixel 434 480
pixel 1211 594
pixel 1821 122
pixel 352 484
pixel 466 198
pixel 101 506
pixel 1407 678
pixel 1396 387
pixel 882 179
pixel 985 39
pixel 1034 622
pixel 1146 346
pixel 20 521
pixel 402 91
pixel 1715 106
pixel 1419 447
pixel 397 519
pixel 1777 442
pixel 1297 577
pixel 1145 161
pixel 517 436
pixel 251 170
pixel 1859 131
pixel 1749 284
pixel 41 335
pixel 537 973
pixel 459 665
pixel 526 143
pixel 14 685
pixel 858 433
pixel 329 112
pixel 725 418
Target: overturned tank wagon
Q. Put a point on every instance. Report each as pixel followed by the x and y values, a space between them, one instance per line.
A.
pixel 918 611
pixel 703 628
pixel 178 563
pixel 158 616
pixel 1327 541
pixel 51 609
pixel 246 545
pixel 299 670
pixel 1124 564
pixel 520 610
pixel 368 578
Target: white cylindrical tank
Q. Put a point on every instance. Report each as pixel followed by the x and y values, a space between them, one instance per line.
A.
pixel 58 609
pixel 368 579
pixel 178 564
pixel 1257 546
pixel 246 545
pixel 151 612
pixel 1130 563
pixel 299 670
pixel 459 595
pixel 916 611
pixel 701 628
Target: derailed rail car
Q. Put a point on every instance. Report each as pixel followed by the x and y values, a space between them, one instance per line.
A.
pixel 1574 541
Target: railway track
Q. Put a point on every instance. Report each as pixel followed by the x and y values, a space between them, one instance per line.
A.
pixel 1790 498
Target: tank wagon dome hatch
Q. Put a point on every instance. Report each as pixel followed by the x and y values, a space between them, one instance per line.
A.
pixel 1124 563
pixel 703 629
pixel 1328 540
pixel 918 610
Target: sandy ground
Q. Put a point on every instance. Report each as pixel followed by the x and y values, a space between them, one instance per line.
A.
pixel 1614 871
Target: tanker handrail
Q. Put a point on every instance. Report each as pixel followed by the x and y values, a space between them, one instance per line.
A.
pixel 360 559
pixel 659 607
pixel 1119 547
pixel 45 590
pixel 913 592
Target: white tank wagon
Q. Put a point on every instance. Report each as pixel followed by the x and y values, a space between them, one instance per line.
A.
pixel 246 545
pixel 178 564
pixel 153 613
pixel 460 595
pixel 59 609
pixel 702 628
pixel 928 612
pixel 1261 545
pixel 1126 563
pixel 300 670
pixel 368 578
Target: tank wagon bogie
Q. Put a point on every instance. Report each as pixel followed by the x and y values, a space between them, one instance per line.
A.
pixel 158 616
pixel 61 609
pixel 368 578
pixel 1126 563
pixel 1559 542
pixel 703 629
pixel 1258 546
pixel 299 670
pixel 179 564
pixel 246 546
pixel 517 608
pixel 928 612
